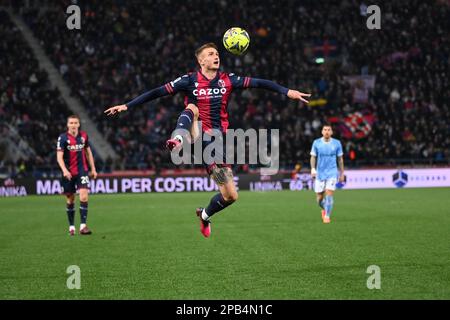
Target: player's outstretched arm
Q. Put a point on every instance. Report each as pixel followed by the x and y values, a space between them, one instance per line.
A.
pixel 143 98
pixel 273 86
pixel 116 109
pixel 297 95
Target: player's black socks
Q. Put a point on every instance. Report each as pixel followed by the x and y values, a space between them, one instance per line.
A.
pixel 184 123
pixel 83 212
pixel 216 204
pixel 185 119
pixel 71 213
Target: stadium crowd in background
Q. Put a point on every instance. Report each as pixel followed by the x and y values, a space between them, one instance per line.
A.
pixel 28 104
pixel 125 48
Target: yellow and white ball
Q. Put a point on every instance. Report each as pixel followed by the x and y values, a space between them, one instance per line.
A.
pixel 236 40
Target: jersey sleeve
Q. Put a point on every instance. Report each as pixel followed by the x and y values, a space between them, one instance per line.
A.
pixel 172 87
pixel 61 143
pixel 339 150
pixel 148 96
pixel 314 149
pixel 179 84
pixel 238 82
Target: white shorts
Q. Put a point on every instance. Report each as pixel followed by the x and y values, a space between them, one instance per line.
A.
pixel 322 185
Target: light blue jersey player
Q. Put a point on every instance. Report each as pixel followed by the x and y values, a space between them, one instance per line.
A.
pixel 326 156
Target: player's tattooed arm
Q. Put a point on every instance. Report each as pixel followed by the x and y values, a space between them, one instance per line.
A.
pixel 313 167
pixel 341 168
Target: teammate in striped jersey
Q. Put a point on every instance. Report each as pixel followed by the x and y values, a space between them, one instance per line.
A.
pixel 74 155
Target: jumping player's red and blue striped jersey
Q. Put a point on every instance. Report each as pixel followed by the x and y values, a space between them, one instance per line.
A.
pixel 74 149
pixel 210 96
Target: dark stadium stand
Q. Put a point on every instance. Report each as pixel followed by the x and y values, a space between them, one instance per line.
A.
pixel 27 101
pixel 125 48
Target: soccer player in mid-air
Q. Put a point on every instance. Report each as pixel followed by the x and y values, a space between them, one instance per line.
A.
pixel 326 155
pixel 73 156
pixel 207 92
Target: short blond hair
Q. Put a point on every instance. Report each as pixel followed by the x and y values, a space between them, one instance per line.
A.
pixel 205 46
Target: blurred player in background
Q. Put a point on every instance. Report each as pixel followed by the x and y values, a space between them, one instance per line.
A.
pixel 299 180
pixel 207 93
pixel 73 156
pixel 296 171
pixel 326 154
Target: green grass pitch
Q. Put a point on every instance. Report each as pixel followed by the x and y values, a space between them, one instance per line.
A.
pixel 266 246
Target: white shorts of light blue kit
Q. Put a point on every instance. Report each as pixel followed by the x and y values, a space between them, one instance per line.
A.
pixel 322 185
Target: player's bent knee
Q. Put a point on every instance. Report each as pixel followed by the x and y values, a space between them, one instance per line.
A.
pixel 231 197
pixel 194 109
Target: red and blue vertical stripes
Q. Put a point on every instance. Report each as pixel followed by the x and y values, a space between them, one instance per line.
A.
pixel 75 156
